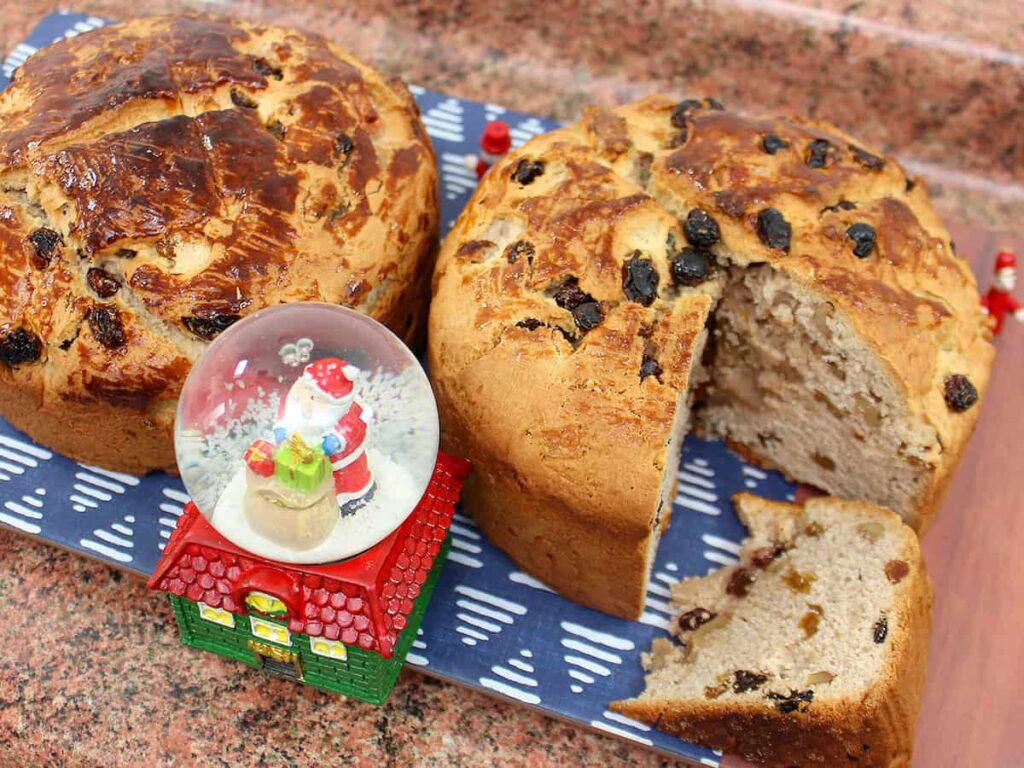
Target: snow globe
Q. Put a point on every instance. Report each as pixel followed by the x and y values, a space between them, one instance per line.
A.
pixel 307 437
pixel 307 433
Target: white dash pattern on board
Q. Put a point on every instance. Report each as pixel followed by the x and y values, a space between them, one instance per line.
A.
pixel 511 691
pixel 604 726
pixel 526 579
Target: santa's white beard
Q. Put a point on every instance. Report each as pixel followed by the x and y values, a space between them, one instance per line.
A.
pixel 312 428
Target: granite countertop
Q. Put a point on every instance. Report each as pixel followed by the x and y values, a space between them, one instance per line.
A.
pixel 91 672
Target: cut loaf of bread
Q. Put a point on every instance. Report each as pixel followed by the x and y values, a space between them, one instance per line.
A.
pixel 810 652
pixel 666 267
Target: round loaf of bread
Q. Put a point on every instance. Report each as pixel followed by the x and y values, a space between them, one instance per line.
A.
pixel 792 286
pixel 160 179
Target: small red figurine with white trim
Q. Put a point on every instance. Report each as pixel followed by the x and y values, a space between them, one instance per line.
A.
pixel 495 141
pixel 998 302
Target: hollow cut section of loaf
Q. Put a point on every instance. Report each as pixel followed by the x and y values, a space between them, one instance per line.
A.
pixel 811 312
pixel 811 651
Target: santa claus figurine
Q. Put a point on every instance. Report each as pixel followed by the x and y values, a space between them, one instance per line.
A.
pixel 495 141
pixel 998 302
pixel 322 409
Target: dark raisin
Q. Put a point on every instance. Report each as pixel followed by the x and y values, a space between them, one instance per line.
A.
pixel 242 100
pixel 793 701
pixel 863 236
pixel 650 367
pixel 102 282
pixel 696 618
pixel 713 103
pixel 744 681
pixel 530 324
pixel 765 556
pixel 277 129
pixel 640 280
pixel 740 582
pixel 881 630
pixel 817 153
pixel 586 311
pixel 691 266
pixel 267 69
pixel 209 327
pixel 587 315
pixel 570 295
pixel 45 242
pixel 343 144
pixel 20 346
pixel 908 185
pixel 868 160
pixel 700 229
pixel 959 393
pixel 527 170
pixel 520 249
pixel 106 325
pixel 679 138
pixel 772 143
pixel 682 109
pixel 773 229
pixel 126 253
pixel 896 570
pixel 842 205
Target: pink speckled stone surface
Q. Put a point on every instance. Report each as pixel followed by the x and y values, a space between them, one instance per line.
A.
pixel 91 672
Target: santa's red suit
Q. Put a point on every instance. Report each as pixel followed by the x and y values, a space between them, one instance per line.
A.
pixel 329 381
pixel 998 302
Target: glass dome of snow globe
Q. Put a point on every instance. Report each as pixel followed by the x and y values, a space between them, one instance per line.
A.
pixel 306 433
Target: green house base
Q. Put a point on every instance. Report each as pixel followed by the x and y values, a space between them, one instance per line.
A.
pixel 363 675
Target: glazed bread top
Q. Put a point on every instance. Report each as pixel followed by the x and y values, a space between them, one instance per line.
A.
pixel 163 177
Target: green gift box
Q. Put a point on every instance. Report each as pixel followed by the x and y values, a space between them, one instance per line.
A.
pixel 298 466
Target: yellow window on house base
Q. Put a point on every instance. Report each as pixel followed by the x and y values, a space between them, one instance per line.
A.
pixel 266 604
pixel 216 615
pixel 332 649
pixel 268 630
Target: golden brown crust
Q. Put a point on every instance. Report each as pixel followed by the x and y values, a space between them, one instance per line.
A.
pixel 625 179
pixel 568 437
pixel 872 728
pixel 201 169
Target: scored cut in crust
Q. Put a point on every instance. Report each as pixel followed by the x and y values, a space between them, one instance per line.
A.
pixel 835 334
pixel 811 651
pixel 163 177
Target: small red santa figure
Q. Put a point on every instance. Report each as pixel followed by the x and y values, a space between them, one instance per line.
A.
pixel 495 141
pixel 321 407
pixel 998 302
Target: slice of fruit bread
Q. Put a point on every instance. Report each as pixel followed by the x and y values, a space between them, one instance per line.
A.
pixel 810 652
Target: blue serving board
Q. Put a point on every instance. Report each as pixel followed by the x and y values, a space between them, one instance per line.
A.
pixel 490 626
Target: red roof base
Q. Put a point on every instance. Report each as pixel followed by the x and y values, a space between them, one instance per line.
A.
pixel 362 601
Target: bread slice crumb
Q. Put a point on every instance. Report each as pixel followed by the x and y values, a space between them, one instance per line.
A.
pixel 811 651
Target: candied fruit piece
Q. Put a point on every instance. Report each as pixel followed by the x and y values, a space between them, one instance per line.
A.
pixel 896 570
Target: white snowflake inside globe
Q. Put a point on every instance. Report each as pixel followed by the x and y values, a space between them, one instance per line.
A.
pixel 306 433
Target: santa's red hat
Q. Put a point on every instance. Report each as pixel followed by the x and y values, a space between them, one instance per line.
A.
pixel 495 139
pixel 332 377
pixel 1005 260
